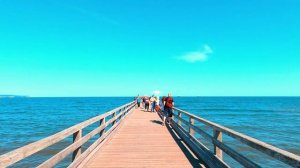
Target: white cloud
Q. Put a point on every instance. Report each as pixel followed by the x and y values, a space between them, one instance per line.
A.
pixel 156 92
pixel 197 56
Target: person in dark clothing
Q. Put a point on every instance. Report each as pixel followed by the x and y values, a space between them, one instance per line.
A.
pixel 138 101
pixel 168 108
pixel 147 103
pixel 144 102
pixel 162 103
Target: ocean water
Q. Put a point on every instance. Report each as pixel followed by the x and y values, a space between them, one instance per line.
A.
pixel 26 120
pixel 275 120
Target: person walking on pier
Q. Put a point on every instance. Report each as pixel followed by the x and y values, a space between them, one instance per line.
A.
pixel 168 108
pixel 162 103
pixel 147 103
pixel 153 103
pixel 144 102
pixel 156 103
pixel 138 101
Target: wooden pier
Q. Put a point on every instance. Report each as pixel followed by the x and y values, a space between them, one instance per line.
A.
pixel 142 140
pixel 130 137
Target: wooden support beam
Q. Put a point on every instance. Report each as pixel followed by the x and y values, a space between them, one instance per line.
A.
pixel 76 137
pixel 113 116
pixel 179 116
pixel 102 122
pixel 191 130
pixel 217 150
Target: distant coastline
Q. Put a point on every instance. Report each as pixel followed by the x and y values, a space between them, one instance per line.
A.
pixel 13 96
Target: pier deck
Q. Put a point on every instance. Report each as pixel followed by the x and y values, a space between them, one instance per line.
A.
pixel 129 137
pixel 143 141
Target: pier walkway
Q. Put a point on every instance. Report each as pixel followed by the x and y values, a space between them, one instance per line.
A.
pixel 142 141
pixel 130 137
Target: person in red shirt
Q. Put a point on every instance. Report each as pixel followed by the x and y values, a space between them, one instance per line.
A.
pixel 168 108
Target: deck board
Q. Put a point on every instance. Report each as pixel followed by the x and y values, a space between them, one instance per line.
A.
pixel 142 141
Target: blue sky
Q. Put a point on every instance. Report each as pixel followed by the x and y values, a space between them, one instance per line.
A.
pixel 121 48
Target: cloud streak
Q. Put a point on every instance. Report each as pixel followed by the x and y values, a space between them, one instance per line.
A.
pixel 197 56
pixel 94 15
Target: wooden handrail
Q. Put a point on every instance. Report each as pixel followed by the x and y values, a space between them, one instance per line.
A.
pixel 279 154
pixel 76 130
pixel 238 157
pixel 195 145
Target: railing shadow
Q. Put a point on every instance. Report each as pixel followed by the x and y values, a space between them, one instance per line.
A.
pixel 195 162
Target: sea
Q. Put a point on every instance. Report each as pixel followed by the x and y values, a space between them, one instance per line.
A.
pixel 274 120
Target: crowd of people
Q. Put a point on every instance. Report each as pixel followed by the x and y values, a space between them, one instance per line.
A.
pixel 153 104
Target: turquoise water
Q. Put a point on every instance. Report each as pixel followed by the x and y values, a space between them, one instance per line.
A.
pixel 275 120
pixel 26 120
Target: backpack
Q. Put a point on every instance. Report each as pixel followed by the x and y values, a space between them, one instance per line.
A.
pixel 169 102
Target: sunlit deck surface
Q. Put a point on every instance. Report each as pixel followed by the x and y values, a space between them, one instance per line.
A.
pixel 142 141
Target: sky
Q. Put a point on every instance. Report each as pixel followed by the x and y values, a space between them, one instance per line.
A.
pixel 128 47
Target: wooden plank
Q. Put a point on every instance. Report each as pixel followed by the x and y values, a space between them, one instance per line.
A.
pixel 97 145
pixel 142 141
pixel 23 152
pixel 110 135
pixel 100 141
pixel 61 155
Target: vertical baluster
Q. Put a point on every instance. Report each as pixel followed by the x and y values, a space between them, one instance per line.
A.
pixel 218 151
pixel 179 117
pixel 76 137
pixel 113 117
pixel 126 110
pixel 102 122
pixel 122 113
pixel 191 130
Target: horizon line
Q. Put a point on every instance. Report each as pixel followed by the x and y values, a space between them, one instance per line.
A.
pixel 142 95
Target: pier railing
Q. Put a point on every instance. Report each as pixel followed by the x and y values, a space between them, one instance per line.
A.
pixel 104 130
pixel 188 134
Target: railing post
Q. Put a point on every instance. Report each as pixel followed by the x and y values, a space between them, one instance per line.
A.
pixel 218 151
pixel 191 130
pixel 102 122
pixel 179 117
pixel 113 117
pixel 120 111
pixel 125 111
pixel 76 137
